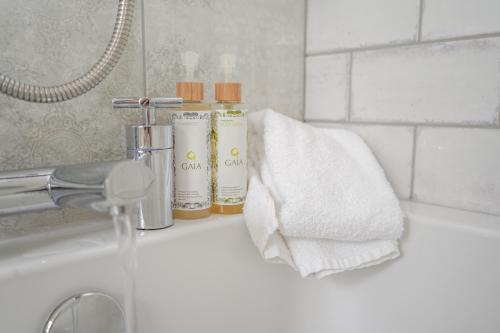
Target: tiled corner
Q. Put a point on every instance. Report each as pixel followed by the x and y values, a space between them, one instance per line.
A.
pixel 266 36
pixel 393 148
pixel 344 24
pixel 327 87
pixel 456 18
pixel 454 82
pixel 459 167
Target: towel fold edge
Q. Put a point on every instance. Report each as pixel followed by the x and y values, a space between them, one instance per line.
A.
pixel 325 266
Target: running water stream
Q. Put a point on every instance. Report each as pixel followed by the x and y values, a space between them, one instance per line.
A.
pixel 127 252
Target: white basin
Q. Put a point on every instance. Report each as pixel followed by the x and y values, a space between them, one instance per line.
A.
pixel 206 276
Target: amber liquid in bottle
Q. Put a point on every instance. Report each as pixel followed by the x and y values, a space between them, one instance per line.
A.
pixel 192 154
pixel 229 150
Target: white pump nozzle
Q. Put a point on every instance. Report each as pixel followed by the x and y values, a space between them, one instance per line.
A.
pixel 190 62
pixel 228 62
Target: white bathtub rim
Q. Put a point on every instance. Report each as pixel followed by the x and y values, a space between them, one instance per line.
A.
pixel 96 238
pixel 480 224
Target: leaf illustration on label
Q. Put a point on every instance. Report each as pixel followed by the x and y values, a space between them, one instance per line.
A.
pixel 191 156
pixel 233 113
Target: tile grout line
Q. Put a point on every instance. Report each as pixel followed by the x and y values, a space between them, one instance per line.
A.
pixel 404 44
pixel 413 164
pixel 454 207
pixel 388 123
pixel 349 89
pixel 420 19
pixel 498 116
pixel 304 80
pixel 143 31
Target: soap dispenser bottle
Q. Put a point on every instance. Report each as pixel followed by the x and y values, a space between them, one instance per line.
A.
pixel 152 144
pixel 192 150
pixel 229 144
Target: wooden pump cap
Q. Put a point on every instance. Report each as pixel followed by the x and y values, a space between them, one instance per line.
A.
pixel 189 91
pixel 228 92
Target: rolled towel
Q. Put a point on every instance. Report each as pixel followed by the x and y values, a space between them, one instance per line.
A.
pixel 317 199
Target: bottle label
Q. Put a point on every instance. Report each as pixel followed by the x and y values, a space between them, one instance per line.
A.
pixel 192 174
pixel 229 141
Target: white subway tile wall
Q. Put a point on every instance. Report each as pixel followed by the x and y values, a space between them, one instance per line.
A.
pixel 455 82
pixel 344 24
pixel 423 90
pixel 328 87
pixel 452 18
pixel 393 148
pixel 459 167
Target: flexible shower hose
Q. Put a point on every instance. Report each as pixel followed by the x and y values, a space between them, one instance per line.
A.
pixel 86 82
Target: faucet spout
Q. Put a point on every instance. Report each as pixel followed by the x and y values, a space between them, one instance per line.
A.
pixel 96 186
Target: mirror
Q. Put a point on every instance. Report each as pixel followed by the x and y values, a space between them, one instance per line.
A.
pixel 87 313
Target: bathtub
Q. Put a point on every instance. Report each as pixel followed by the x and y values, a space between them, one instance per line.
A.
pixel 206 276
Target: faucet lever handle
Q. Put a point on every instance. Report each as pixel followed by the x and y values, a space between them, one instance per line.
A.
pixel 130 102
pixel 149 105
pixel 136 103
pixel 165 102
pixel 146 102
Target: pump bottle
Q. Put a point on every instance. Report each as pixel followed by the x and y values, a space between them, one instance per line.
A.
pixel 229 144
pixel 192 149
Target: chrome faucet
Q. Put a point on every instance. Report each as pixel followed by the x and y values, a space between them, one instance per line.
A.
pixel 144 183
pixel 102 187
pixel 152 144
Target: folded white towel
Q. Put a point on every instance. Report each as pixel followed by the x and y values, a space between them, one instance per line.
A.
pixel 317 198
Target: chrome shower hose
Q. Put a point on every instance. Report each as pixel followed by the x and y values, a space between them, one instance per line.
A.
pixel 86 82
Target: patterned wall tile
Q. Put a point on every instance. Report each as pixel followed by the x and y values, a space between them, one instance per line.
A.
pixel 266 36
pixel 48 43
